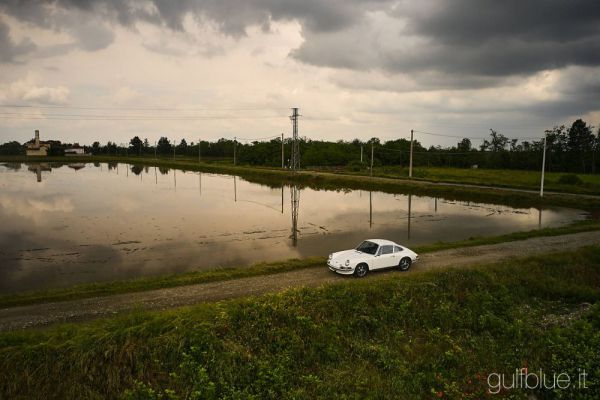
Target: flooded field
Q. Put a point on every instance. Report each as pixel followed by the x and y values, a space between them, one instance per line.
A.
pixel 63 224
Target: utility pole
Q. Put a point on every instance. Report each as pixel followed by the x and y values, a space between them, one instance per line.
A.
pixel 282 154
pixel 411 155
pixel 371 169
pixel 543 168
pixel 234 146
pixel 155 146
pixel 174 148
pixel 295 159
pixel 361 153
pixel 199 146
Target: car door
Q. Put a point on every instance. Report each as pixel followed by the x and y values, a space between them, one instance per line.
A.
pixel 385 257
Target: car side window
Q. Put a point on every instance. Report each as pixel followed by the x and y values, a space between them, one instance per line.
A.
pixel 397 249
pixel 387 250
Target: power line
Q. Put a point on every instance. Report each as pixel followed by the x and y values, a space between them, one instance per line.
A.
pixel 261 138
pixel 99 117
pixel 140 108
pixel 469 137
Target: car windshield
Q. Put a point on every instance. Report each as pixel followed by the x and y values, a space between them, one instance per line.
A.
pixel 367 247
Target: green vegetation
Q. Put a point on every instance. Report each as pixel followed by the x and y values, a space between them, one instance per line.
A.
pixel 436 334
pixel 581 226
pixel 568 149
pixel 517 179
pixel 222 274
pixel 570 179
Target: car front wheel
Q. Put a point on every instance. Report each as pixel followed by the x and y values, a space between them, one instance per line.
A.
pixel 361 270
pixel 404 264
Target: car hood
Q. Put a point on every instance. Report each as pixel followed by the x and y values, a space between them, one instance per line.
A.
pixel 349 255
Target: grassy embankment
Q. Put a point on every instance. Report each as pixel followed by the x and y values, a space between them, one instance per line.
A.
pixel 504 178
pixel 337 181
pixel 436 334
pixel 223 274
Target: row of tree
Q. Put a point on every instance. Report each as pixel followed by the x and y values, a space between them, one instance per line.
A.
pixel 573 149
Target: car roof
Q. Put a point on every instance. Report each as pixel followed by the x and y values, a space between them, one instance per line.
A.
pixel 382 242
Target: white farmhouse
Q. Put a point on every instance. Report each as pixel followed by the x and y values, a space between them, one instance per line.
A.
pixel 75 150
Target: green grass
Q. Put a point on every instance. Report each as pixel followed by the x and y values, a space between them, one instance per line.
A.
pixel 222 274
pixel 437 334
pixel 580 226
pixel 510 178
pixel 338 181
pixel 503 178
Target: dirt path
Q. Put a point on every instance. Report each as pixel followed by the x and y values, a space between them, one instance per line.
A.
pixel 44 314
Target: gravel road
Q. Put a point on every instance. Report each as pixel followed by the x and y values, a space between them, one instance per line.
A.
pixel 38 315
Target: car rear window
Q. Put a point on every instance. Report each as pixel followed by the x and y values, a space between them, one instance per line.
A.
pixel 397 249
pixel 387 249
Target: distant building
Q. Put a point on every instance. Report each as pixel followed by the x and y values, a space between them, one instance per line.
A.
pixel 75 150
pixel 36 148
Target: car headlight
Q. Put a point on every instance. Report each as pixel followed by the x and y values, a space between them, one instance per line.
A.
pixel 329 258
pixel 347 262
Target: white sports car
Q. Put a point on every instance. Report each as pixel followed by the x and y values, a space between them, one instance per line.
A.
pixel 370 255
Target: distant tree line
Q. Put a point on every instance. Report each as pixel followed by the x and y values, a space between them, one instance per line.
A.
pixel 572 149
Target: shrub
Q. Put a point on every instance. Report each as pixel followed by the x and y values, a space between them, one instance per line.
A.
pixel 570 179
pixel 356 165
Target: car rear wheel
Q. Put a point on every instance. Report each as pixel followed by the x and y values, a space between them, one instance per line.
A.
pixel 361 270
pixel 405 263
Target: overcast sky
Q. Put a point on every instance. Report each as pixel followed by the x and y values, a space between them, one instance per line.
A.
pixel 108 70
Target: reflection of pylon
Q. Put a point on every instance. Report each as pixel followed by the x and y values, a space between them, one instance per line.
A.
pixel 295 156
pixel 295 197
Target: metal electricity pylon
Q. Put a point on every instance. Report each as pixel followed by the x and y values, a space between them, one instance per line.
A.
pixel 295 156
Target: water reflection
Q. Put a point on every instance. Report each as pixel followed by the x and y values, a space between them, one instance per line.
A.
pixel 295 200
pixel 409 215
pixel 92 224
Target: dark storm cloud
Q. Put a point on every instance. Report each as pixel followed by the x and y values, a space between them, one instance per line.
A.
pixel 468 37
pixel 579 90
pixel 89 32
pixel 478 42
pixel 10 51
pixel 233 17
pixel 479 21
pixel 496 38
